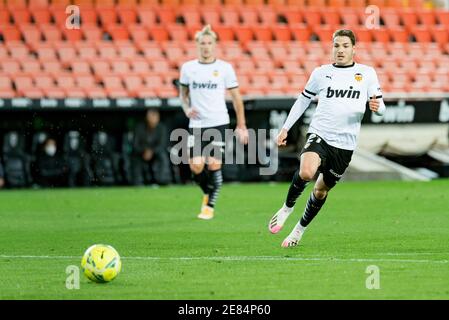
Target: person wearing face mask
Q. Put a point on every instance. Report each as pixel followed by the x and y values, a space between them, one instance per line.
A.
pixel 2 176
pixel 150 161
pixel 51 167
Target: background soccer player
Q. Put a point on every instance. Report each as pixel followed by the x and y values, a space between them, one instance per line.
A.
pixel 204 82
pixel 342 89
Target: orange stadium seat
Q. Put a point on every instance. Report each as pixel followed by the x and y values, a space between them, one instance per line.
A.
pixel 177 32
pixel 331 17
pixel 32 93
pixel 267 15
pixel 224 33
pixel 4 16
pixel 427 17
pixel 107 16
pixel 350 17
pixel 166 15
pixel 38 3
pixel 211 15
pixel 147 16
pixel 100 67
pixel 127 3
pixel 421 33
pixel 230 17
pixel 160 65
pixel 95 92
pixel 138 32
pixel 393 3
pixel 398 34
pixel 140 66
pixel 80 67
pixel 409 17
pixel 85 81
pixel 120 66
pixel 41 15
pixel 263 33
pixel 10 33
pixel 16 3
pixel 153 81
pixel 317 3
pixel 149 2
pixel 358 3
pixel 381 35
pixel 440 34
pixel 118 32
pixel 51 32
pixel 45 52
pixel 126 50
pixel 133 84
pixel 300 32
pixel 21 15
pixel 324 33
pixel 293 15
pixel 334 3
pixel 30 66
pixel 44 81
pixel 281 32
pixel 443 17
pixel 158 33
pixel 243 34
pixel 31 34
pixel 23 81
pixel 166 92
pixel 312 17
pixel 106 50
pixel 390 17
pixel 127 15
pixel 249 15
pixel 191 16
pixel 72 34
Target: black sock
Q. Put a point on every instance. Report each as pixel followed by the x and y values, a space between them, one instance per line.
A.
pixel 296 188
pixel 312 208
pixel 215 182
pixel 202 180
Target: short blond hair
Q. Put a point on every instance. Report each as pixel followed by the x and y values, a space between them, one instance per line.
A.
pixel 206 31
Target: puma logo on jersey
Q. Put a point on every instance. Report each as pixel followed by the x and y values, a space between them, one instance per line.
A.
pixel 207 85
pixel 340 93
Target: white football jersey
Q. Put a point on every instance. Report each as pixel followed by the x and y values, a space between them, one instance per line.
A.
pixel 342 93
pixel 207 84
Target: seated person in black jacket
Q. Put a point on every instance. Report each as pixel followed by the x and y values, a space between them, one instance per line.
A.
pixel 2 176
pixel 151 163
pixel 50 166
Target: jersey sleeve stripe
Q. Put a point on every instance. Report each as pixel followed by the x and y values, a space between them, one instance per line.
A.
pixel 305 95
pixel 378 97
pixel 232 87
pixel 183 84
pixel 310 92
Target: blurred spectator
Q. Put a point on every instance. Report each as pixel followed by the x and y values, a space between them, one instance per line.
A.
pixel 77 160
pixel 16 161
pixel 50 165
pixel 2 176
pixel 151 162
pixel 105 160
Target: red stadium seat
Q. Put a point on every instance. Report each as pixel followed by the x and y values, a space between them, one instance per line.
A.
pixel 390 17
pixel 267 15
pixel 427 17
pixel 381 35
pixel 118 32
pixel 244 34
pixel 51 32
pixel 21 15
pixel 293 16
pixel 107 16
pixel 317 3
pixel 350 17
pixel 312 17
pixel 249 15
pixel 177 32
pixel 358 3
pixel 324 33
pixel 138 32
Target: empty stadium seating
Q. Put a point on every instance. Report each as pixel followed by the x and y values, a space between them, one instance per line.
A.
pixel 135 48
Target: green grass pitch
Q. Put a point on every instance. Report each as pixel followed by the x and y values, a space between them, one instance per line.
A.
pixel 167 253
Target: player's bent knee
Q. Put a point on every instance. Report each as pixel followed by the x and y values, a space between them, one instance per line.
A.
pixel 196 168
pixel 306 174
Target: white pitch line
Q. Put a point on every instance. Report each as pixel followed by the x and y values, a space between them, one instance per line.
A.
pixel 243 258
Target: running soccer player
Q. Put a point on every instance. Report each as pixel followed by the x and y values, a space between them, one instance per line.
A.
pixel 342 88
pixel 204 82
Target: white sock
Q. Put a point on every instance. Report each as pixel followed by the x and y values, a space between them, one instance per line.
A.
pixel 300 228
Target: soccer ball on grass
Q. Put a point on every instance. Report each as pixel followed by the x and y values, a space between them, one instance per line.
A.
pixel 101 263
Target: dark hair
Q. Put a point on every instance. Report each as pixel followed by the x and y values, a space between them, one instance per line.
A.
pixel 345 33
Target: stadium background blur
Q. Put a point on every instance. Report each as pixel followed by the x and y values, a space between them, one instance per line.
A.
pixel 81 83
